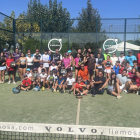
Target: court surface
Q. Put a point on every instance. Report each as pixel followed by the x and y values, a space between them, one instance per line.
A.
pixel 63 108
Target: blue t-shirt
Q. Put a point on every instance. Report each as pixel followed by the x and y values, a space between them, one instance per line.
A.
pixel 116 69
pixel 60 80
pixel 130 59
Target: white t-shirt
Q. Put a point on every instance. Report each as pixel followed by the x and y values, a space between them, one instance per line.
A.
pixel 29 75
pixel 129 68
pixel 30 61
pixel 54 77
pixel 53 67
pixel 114 59
pixel 70 81
pixel 45 58
pixel 43 76
pixel 97 64
pixel 121 59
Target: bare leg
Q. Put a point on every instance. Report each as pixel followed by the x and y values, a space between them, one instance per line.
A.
pixel 0 76
pixel 13 77
pixel 3 73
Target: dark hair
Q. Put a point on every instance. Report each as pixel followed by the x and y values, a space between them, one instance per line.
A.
pixel 125 70
pixel 127 62
pixel 101 72
pixel 82 64
pixel 112 79
pixel 109 56
pixel 92 53
pixel 43 70
pixel 135 61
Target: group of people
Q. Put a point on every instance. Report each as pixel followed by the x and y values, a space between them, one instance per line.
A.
pixel 85 73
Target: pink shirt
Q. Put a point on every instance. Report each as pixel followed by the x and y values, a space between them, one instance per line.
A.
pixel 76 60
pixel 66 62
pixel 137 81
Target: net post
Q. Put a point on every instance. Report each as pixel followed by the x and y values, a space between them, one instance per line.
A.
pixel 68 32
pixel 124 36
pixel 14 27
pixel 41 36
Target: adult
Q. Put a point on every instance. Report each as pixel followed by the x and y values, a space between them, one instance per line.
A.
pixel 106 54
pixel 22 65
pixel 121 58
pixel 6 55
pixel 130 58
pixel 86 59
pixel 2 67
pixel 89 50
pixel 16 57
pixel 101 55
pixel 51 57
pixel 37 59
pixel 46 60
pixel 29 51
pixel 97 83
pixel 72 59
pixel 114 59
pixel 30 61
pixel 57 57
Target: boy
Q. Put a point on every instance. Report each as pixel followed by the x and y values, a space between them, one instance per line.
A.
pixel 10 69
pixel 36 77
pixel 50 80
pixel 78 88
pixel 43 77
pixel 28 73
pixel 116 67
pixel 69 83
pixel 26 83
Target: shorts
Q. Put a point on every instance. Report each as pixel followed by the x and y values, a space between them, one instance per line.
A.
pixel 3 68
pixel 47 69
pixel 10 72
pixel 107 70
pixel 69 86
pixel 110 89
pixel 30 67
pixel 122 86
pixel 91 72
pixel 16 67
pixel 68 70
pixel 22 66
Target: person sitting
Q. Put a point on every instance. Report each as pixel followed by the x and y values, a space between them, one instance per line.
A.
pixel 28 73
pixel 53 66
pixel 122 66
pixel 36 77
pixel 128 68
pixel 43 77
pixel 132 74
pixel 135 64
pixel 78 88
pixel 69 84
pixel 97 83
pixel 26 83
pixel 116 67
pixel 50 80
pixel 113 86
pixel 41 67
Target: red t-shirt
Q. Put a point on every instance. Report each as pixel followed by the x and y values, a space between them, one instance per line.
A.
pixel 79 87
pixel 137 81
pixel 121 69
pixel 8 62
pixel 26 82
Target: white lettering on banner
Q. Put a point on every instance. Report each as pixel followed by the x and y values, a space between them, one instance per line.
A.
pixel 71 129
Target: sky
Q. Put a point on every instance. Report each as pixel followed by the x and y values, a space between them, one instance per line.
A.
pixel 106 8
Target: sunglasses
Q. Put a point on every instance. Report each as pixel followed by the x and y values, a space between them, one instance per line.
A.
pixel 82 66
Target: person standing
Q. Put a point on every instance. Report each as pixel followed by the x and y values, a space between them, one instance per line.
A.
pixel 57 57
pixel 37 59
pixel 114 59
pixel 106 54
pixel 121 58
pixel 30 61
pixel 101 55
pixel 46 60
pixel 2 67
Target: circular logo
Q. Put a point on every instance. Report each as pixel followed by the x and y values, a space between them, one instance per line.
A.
pixel 111 45
pixel 54 45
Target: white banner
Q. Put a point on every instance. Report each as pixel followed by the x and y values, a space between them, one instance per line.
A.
pixel 71 129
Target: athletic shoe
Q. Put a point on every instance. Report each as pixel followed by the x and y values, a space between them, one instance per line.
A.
pixel 69 92
pixel 58 90
pixel 2 82
pixel 62 91
pixel 9 82
pixel 14 82
pixel 137 93
pixel 43 88
pixel 54 90
pixel 125 90
pixel 27 90
pixel 93 95
pixel 119 97
pixel 48 88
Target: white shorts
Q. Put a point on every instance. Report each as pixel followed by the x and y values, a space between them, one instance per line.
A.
pixel 3 68
pixel 122 86
pixel 107 70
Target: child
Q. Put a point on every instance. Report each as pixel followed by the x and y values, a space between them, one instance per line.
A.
pixel 40 68
pixel 69 83
pixel 132 74
pixel 36 77
pixel 28 73
pixel 59 83
pixel 116 67
pixel 129 68
pixel 122 66
pixel 78 88
pixel 43 77
pixel 26 83
pixel 50 80
pixel 62 70
pixel 10 69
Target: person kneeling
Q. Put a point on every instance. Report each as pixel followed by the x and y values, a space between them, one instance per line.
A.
pixel 43 77
pixel 78 88
pixel 26 83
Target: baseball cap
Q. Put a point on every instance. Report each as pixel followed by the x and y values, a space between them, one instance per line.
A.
pixel 69 51
pixel 70 74
pixel 4 50
pixel 25 75
pixel 122 52
pixel 130 51
pixel 28 69
pixel 35 69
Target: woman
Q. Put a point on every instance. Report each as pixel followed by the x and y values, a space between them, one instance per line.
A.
pixel 2 67
pixel 22 65
pixel 86 58
pixel 114 59
pixel 113 86
pixel 30 61
pixel 71 57
pixel 77 66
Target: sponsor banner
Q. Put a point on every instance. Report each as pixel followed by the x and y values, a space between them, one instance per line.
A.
pixel 71 129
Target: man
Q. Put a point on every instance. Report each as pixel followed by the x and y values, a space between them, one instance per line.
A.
pixel 83 73
pixel 116 67
pixel 79 51
pixel 37 59
pixel 97 83
pixel 106 54
pixel 125 82
pixel 16 57
pixel 46 59
pixel 57 57
pixel 101 55
pixel 130 58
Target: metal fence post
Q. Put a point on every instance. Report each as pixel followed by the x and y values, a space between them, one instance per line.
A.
pixel 14 28
pixel 124 36
pixel 41 36
pixel 96 35
pixel 68 32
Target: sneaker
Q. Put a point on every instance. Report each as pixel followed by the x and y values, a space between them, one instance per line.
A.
pixel 69 92
pixel 137 93
pixel 27 90
pixel 119 97
pixel 62 91
pixel 125 90
pixel 43 88
pixel 2 82
pixel 54 90
pixel 9 82
pixel 93 95
pixel 14 82
pixel 57 90
pixel 48 88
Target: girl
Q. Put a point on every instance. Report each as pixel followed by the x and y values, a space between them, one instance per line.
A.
pixel 40 68
pixel 23 65
pixel 2 67
pixel 113 86
pixel 132 74
pixel 30 61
